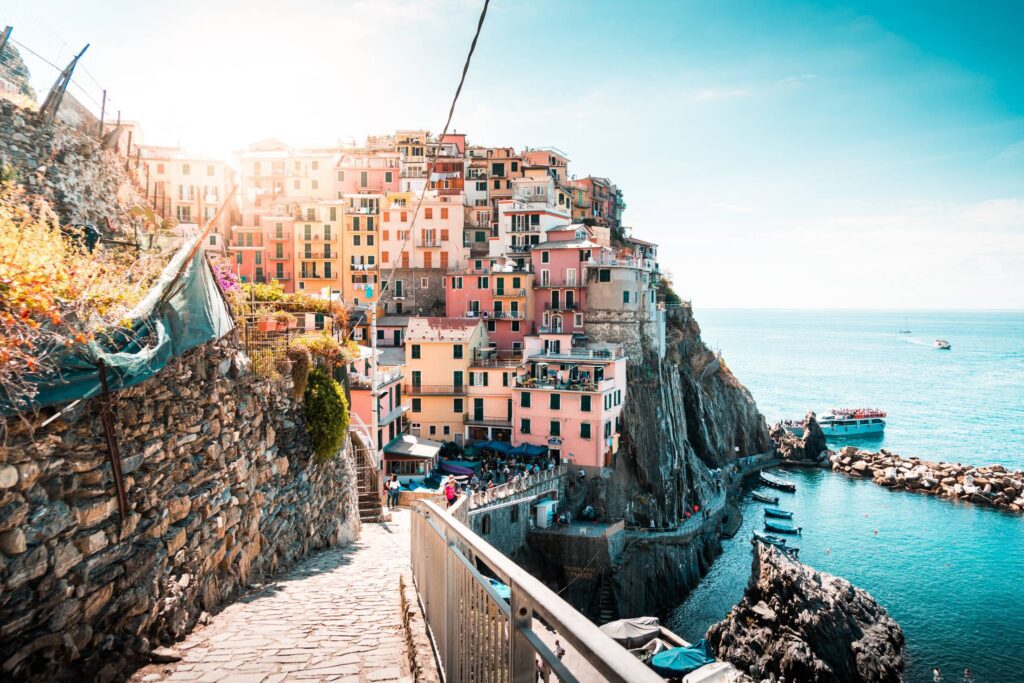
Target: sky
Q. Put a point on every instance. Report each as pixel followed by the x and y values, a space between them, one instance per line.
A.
pixel 783 154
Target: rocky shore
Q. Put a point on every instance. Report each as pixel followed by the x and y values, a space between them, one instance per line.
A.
pixel 993 485
pixel 799 624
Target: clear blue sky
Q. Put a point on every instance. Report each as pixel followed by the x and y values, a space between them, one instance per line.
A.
pixel 783 154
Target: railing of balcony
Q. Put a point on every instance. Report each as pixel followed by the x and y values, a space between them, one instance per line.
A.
pixel 509 292
pixel 529 382
pixel 481 637
pixel 561 306
pixel 581 354
pixel 487 420
pixel 556 283
pixel 434 389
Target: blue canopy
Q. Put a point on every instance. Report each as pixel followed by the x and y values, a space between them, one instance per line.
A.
pixel 528 450
pixel 503 591
pixel 679 661
pixel 499 446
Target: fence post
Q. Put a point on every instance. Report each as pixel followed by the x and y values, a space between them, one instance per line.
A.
pixel 521 667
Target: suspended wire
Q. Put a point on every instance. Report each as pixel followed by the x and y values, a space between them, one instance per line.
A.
pixel 437 150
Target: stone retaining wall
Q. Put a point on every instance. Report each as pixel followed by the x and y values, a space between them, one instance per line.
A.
pixel 222 492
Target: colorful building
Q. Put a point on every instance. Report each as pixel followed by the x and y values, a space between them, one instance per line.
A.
pixel 570 399
pixel 498 293
pixel 439 352
pixel 559 266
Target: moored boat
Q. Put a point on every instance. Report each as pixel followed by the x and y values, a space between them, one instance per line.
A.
pixel 787 486
pixel 776 512
pixel 762 498
pixel 943 345
pixel 776 541
pixel 844 422
pixel 777 528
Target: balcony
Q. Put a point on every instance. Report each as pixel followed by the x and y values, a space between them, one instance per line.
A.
pixel 282 257
pixel 557 284
pixel 524 228
pixel 512 362
pixel 428 243
pixel 315 237
pixel 508 315
pixel 561 306
pixel 579 355
pixel 434 389
pixel 519 248
pixel 509 292
pixel 549 384
pixel 279 238
pixel 357 381
pixel 245 247
pixel 478 420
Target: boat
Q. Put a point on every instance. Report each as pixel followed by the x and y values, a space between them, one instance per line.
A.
pixel 844 422
pixel 788 487
pixel 906 326
pixel 776 512
pixel 761 498
pixel 776 541
pixel 943 345
pixel 770 526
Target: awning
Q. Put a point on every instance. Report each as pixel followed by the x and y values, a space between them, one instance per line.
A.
pixel 410 446
pixel 528 450
pixel 499 446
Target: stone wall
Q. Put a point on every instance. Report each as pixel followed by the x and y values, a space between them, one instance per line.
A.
pixel 84 183
pixel 222 492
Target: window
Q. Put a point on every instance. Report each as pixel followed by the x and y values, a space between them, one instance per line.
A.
pixel 160 169
pixel 355 222
pixel 444 212
pixel 428 213
pixel 457 405
pixel 513 514
pixel 404 217
pixel 604 275
pixel 555 428
pixel 417 405
pixel 433 430
pixel 585 403
pixel 497 184
pixel 457 378
pixel 555 402
pixel 259 258
pixel 327 270
pixel 584 430
pixel 545 257
pixel 524 425
pixel 625 296
pixel 315 184
pixel 515 166
pixel 424 283
pixel 362 179
pixel 186 169
pixel 485 525
pixel 356 240
pixel 416 351
pixel 388 175
pixel 334 213
pixel 524 399
pixel 213 239
pixel 369 240
pixel 457 351
pixel 447 430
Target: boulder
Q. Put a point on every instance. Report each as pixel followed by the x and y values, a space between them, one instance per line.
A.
pixel 799 624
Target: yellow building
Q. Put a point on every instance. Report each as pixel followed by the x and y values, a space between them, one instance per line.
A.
pixel 439 354
pixel 361 247
pixel 318 245
pixel 187 187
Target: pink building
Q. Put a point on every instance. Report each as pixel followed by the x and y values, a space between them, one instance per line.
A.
pixel 560 285
pixel 279 238
pixel 362 172
pixel 570 399
pixel 389 420
pixel 497 293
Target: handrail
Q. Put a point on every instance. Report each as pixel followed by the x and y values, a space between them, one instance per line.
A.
pixel 502 492
pixel 478 636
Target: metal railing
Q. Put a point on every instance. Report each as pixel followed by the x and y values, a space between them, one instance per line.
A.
pixel 514 292
pixel 481 637
pixel 487 420
pixel 434 389
pixel 518 488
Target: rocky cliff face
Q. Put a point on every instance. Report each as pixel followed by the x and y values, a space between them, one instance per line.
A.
pixel 810 447
pixel 686 416
pixel 803 625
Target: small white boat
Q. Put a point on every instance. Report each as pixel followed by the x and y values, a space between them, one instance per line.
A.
pixel 906 326
pixel 942 344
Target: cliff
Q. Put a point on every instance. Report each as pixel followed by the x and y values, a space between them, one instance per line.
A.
pixel 686 416
pixel 799 624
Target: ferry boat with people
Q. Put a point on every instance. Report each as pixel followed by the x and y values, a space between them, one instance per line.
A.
pixel 845 422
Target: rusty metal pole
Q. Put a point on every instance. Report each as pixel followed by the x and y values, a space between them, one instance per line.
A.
pixel 106 416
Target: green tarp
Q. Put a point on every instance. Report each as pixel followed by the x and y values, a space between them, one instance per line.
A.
pixel 179 313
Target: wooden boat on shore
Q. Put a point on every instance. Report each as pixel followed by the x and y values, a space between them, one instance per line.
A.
pixel 761 498
pixel 776 512
pixel 787 486
pixel 769 526
pixel 776 541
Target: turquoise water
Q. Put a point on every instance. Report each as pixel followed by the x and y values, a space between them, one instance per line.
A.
pixel 951 574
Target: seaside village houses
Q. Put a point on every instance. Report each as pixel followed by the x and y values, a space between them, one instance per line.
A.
pixel 509 294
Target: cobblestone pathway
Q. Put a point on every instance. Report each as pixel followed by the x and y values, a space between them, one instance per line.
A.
pixel 333 617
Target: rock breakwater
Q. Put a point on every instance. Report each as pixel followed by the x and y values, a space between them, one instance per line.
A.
pixel 799 624
pixel 992 485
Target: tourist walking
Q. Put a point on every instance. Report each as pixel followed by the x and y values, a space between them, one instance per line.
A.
pixel 393 487
pixel 450 493
pixel 559 650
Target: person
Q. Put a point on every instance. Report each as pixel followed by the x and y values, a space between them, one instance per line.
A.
pixel 393 486
pixel 559 650
pixel 936 675
pixel 449 491
pixel 968 675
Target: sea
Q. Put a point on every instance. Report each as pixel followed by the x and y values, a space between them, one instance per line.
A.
pixel 951 574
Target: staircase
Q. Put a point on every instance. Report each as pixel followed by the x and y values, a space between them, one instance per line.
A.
pixel 368 483
pixel 607 608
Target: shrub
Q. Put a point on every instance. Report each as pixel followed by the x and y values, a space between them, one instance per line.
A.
pixel 301 361
pixel 326 414
pixel 321 345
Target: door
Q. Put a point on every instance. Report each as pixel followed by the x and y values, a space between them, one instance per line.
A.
pixel 478 409
pixel 397 337
pixel 555 300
